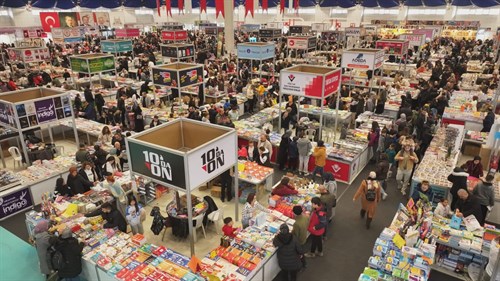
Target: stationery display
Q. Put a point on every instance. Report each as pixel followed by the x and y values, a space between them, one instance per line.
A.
pixel 41 170
pixel 476 136
pixel 284 204
pixel 253 172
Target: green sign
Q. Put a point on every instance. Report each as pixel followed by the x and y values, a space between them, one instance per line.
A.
pixel 124 46
pixel 156 164
pixel 108 47
pixel 92 65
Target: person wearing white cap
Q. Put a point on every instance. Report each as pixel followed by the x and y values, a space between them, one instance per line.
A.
pixel 370 194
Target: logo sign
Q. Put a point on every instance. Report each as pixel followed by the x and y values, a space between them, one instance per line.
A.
pixel 332 83
pixel 301 43
pixel 367 59
pixel 354 31
pixel 339 170
pixel 370 29
pixel 45 110
pixel 15 202
pixel 269 33
pixel 413 39
pixel 212 159
pixel 191 76
pixel 246 51
pixel 164 77
pixel 297 29
pixel 156 164
pixel 308 84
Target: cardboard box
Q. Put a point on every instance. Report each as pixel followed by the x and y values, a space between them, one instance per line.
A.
pixel 485 156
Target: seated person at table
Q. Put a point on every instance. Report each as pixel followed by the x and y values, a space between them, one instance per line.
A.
pixel 114 219
pixel 118 137
pixel 112 165
pixel 284 188
pixel 88 172
pixel 443 208
pixel 423 190
pixel 468 205
pixel 474 167
pixel 105 136
pixel 82 155
pixel 228 228
pixel 155 122
pixel 77 183
pixel 62 189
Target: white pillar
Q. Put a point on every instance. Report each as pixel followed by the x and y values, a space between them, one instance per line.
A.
pixel 229 26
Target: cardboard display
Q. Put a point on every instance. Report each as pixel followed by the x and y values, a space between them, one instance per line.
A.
pixel 270 32
pixel 177 50
pixel 310 81
pixel 174 35
pixel 300 29
pixel 256 51
pixel 116 46
pixel 301 42
pixel 413 39
pixel 366 59
pixel 29 54
pixel 92 63
pixel 176 75
pixel 127 32
pixel 393 47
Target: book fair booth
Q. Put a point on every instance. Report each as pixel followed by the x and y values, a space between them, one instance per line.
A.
pixel 256 52
pixel 304 44
pixel 180 78
pixel 177 52
pixel 395 48
pixel 361 64
pixel 91 64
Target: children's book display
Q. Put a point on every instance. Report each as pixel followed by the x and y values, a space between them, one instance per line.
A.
pixel 284 204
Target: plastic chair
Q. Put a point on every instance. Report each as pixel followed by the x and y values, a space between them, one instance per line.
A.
pixel 216 217
pixel 199 224
pixel 16 155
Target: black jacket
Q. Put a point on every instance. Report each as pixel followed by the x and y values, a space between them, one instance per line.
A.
pixel 289 251
pixel 113 219
pixel 84 175
pixel 470 206
pixel 100 157
pixel 459 181
pixel 382 169
pixel 88 96
pixel 488 121
pixel 71 250
pixel 78 184
pixel 63 190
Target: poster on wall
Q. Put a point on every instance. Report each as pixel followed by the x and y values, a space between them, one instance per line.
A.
pixel 102 19
pixel 86 19
pixel 165 77
pixel 191 76
pixel 68 19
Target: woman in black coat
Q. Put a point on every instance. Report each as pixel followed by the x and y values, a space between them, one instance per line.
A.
pixel 139 119
pixel 458 178
pixel 77 183
pixel 71 250
pixel 88 169
pixel 283 150
pixel 289 252
pixel 488 121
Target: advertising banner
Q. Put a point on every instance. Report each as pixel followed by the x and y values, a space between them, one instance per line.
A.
pixel 45 111
pixel 92 65
pixel 174 35
pixel 259 52
pixel 15 202
pixel 7 115
pixel 127 32
pixel 116 46
pixel 33 55
pixel 301 43
pixel 308 84
pixel 191 76
pixel 413 39
pixel 159 165
pixel 211 160
pixel 269 33
pixel 177 51
pixel 362 59
pixel 165 77
pixel 354 31
pixel 300 29
pixel 108 47
pixel 392 47
pixel 332 82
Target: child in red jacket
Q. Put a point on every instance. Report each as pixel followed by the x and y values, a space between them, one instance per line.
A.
pixel 228 228
pixel 317 224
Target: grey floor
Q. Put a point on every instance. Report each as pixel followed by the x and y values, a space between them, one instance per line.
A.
pixel 349 243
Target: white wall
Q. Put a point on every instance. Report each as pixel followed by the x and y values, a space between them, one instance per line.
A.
pixel 355 15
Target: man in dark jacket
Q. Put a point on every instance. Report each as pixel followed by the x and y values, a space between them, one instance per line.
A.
pixel 468 205
pixel 82 155
pixel 71 251
pixel 77 183
pixel 381 170
pixel 458 178
pixel 113 217
pixel 289 253
pixel 422 191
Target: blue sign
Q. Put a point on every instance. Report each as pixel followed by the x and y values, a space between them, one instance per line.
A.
pixel 256 52
pixel 15 202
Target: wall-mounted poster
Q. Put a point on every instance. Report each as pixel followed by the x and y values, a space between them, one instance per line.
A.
pixel 68 19
pixel 102 18
pixel 86 19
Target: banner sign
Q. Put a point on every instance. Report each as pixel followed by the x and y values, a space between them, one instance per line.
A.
pixel 31 114
pixel 332 36
pixel 270 33
pixel 45 111
pixel 370 29
pixel 127 32
pixel 393 47
pixel 159 165
pixel 428 32
pixel 367 59
pixel 309 84
pixel 165 77
pixel 320 26
pixel 29 54
pixel 413 39
pixel 92 64
pixel 300 29
pixel 67 32
pixel 116 46
pixel 191 76
pixel 301 43
pixel 211 160
pixel 177 50
pixel 354 31
pixel 278 25
pixel 174 35
pixel 256 51
pixel 250 27
pixel 15 202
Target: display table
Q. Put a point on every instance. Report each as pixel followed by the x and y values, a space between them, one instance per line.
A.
pixel 257 175
pixel 472 121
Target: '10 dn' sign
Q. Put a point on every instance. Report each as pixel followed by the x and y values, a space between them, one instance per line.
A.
pixel 157 165
pixel 212 159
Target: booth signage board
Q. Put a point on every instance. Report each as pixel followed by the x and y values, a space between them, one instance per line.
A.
pixel 7 115
pixel 308 84
pixel 191 76
pixel 413 39
pixel 301 43
pixel 29 33
pixel 250 27
pixel 160 165
pixel 33 113
pixel 428 32
pixel 320 26
pixel 300 29
pixel 269 33
pixel 258 52
pixel 38 54
pixel 330 35
pixel 354 31
pixel 370 29
pixel 165 77
pixel 72 40
pixel 367 60
pixel 15 202
pixel 174 35
pixel 177 51
pixel 127 32
pixel 67 32
pixel 92 65
pixel 214 30
pixel 211 160
pixel 393 47
pixel 116 46
pixel 275 25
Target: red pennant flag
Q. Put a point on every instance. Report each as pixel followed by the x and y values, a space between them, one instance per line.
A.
pixel 168 7
pixel 248 7
pixel 219 8
pixel 158 5
pixel 180 4
pixel 265 5
pixel 296 5
pixel 282 6
pixel 203 6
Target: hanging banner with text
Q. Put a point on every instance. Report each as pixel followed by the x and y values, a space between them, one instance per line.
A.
pixel 309 84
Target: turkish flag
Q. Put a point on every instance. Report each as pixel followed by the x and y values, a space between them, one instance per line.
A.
pixel 219 8
pixel 49 20
pixel 249 7
pixel 264 5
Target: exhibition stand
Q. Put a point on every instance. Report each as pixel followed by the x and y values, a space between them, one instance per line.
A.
pixel 361 60
pixel 353 36
pixel 301 30
pixel 303 43
pixel 90 64
pixel 176 76
pixel 178 52
pixel 194 153
pixel 415 41
pixel 29 55
pixel 127 33
pixel 397 48
pixel 258 51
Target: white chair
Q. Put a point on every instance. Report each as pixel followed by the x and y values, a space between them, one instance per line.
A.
pixel 216 217
pixel 59 150
pixel 310 133
pixel 199 224
pixel 16 155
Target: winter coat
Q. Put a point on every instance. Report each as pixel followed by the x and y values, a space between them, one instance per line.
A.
pixel 42 243
pixel 71 250
pixel 488 121
pixel 458 180
pixel 293 151
pixel 289 252
pixel 84 175
pixel 283 190
pixel 300 228
pixel 316 227
pixel 319 156
pixel 418 191
pixel 382 169
pixel 304 146
pixel 78 184
pixel 369 206
pixel 113 219
pixel 212 206
pixel 328 201
pixel 283 149
pixel 485 193
pixel 470 206
pixel 473 169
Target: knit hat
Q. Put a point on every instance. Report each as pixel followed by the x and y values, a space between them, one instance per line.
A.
pixel 66 233
pixel 372 175
pixel 284 229
pixel 42 226
pixel 297 210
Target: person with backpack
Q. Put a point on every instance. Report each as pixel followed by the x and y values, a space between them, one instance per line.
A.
pixel 369 192
pixel 67 256
pixel 317 225
pixel 289 252
pixel 43 241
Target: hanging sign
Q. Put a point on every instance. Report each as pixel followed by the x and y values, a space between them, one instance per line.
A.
pixel 190 76
pixel 301 43
pixel 174 35
pixel 127 32
pixel 393 47
pixel 269 33
pixel 367 59
pixel 257 51
pixel 354 31
pixel 309 84
pixel 15 202
pixel 413 39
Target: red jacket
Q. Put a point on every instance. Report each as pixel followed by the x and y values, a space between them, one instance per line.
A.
pixel 229 231
pixel 283 190
pixel 314 221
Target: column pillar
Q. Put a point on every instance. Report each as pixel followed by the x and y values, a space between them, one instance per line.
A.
pixel 229 26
